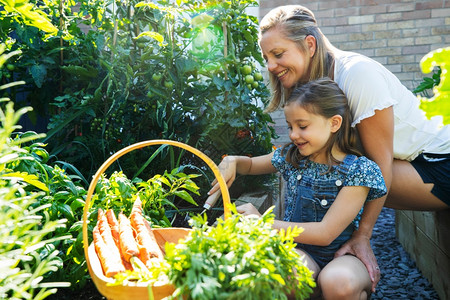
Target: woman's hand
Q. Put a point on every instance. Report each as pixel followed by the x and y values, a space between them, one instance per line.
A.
pixel 248 209
pixel 359 246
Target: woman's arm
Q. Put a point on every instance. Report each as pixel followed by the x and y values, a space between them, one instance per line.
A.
pixel 376 135
pixel 340 214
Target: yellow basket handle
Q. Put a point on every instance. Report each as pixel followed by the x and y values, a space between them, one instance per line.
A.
pixel 115 156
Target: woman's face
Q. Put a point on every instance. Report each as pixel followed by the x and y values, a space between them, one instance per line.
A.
pixel 284 58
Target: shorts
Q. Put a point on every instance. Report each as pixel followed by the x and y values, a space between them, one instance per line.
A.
pixel 322 255
pixel 435 168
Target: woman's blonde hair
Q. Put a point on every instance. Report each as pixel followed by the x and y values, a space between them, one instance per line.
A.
pixel 297 22
pixel 323 97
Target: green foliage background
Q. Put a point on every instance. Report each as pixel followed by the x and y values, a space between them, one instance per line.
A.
pixel 119 72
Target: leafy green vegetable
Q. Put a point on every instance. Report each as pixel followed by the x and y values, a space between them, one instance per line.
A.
pixel 439 104
pixel 119 193
pixel 239 258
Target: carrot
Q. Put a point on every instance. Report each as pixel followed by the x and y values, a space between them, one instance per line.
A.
pixel 128 265
pixel 137 207
pixel 148 247
pixel 114 225
pixel 105 232
pixel 128 245
pixel 111 264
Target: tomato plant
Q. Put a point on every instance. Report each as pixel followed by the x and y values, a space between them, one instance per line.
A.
pixel 139 71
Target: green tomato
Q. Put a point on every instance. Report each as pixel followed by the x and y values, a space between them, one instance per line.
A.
pixel 141 44
pixel 246 70
pixel 157 76
pixel 249 79
pixel 168 84
pixel 258 76
pixel 10 67
pixel 149 94
pixel 255 84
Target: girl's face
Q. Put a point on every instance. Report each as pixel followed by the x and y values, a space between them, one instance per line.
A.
pixel 310 132
pixel 284 58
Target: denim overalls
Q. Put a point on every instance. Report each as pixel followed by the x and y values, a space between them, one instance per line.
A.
pixel 314 197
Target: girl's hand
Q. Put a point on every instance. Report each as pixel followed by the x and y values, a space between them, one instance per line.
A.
pixel 244 165
pixel 227 168
pixel 248 209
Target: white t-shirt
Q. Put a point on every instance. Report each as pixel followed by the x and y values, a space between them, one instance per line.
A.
pixel 369 86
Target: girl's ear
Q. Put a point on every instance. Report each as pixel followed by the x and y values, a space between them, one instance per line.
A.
pixel 311 44
pixel 336 123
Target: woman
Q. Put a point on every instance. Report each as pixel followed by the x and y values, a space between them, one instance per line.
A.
pixel 412 152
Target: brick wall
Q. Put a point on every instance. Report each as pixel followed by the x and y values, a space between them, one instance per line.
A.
pixel 396 33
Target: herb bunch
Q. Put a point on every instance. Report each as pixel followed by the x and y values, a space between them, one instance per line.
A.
pixel 238 258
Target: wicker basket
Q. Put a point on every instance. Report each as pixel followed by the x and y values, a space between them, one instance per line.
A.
pixel 141 291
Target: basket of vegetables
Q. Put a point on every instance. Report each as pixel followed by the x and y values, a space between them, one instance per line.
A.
pixel 127 246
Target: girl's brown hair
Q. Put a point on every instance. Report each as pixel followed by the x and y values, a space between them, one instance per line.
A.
pixel 296 22
pixel 324 97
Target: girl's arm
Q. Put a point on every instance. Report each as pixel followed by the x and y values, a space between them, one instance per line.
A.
pixel 244 165
pixel 341 213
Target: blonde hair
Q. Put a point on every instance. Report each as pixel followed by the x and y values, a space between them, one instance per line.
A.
pixel 296 22
pixel 323 97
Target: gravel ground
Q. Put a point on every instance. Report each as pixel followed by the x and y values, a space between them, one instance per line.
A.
pixel 400 278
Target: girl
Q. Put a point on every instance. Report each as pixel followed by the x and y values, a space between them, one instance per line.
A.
pixel 412 152
pixel 328 182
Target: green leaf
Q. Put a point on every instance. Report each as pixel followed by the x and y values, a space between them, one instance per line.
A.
pixel 248 37
pixel 39 73
pixel 65 210
pixel 86 72
pixel 154 35
pixel 162 179
pixel 185 196
pixel 191 186
pixel 28 178
pixel 33 17
pixel 77 203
